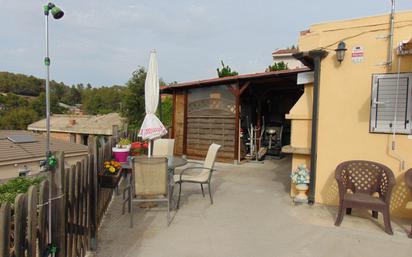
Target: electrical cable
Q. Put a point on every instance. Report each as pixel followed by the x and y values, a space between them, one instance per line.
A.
pixel 357 35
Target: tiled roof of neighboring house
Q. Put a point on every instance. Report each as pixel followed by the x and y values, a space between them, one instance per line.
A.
pixel 19 152
pixel 286 51
pixel 82 124
pixel 232 79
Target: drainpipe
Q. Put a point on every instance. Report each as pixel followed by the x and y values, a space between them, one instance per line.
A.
pixel 317 56
pixel 391 20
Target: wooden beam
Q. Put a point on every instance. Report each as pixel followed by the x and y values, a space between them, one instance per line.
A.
pixel 234 90
pixel 185 124
pixel 244 87
pixel 237 121
pixel 172 135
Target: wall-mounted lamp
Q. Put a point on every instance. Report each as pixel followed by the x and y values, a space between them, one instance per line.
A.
pixel 340 51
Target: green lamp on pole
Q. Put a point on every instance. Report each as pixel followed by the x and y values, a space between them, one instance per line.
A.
pixel 57 13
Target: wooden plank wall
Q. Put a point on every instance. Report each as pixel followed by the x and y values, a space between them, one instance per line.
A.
pixel 24 226
pixel 178 121
pixel 205 130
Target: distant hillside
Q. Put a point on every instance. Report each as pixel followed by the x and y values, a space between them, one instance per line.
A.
pixel 21 84
pixel 22 99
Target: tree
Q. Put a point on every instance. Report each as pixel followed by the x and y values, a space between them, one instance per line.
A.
pixel 72 97
pixel 226 71
pixel 278 66
pixel 39 105
pixel 18 118
pixel 167 109
pixel 133 100
pixel 12 101
pixel 102 100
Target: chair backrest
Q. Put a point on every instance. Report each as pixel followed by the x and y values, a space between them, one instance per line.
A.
pixel 365 177
pixel 211 156
pixel 150 175
pixel 408 178
pixel 163 147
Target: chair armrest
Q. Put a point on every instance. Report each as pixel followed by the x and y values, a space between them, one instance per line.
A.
pixel 195 163
pixel 194 168
pixel 341 184
pixel 391 185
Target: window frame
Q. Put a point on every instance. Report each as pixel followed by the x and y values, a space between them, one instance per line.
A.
pixel 374 103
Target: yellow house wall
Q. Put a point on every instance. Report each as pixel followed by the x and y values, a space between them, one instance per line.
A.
pixel 344 103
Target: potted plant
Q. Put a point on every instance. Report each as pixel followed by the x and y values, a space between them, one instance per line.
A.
pixel 301 177
pixel 121 151
pixel 110 175
pixel 138 148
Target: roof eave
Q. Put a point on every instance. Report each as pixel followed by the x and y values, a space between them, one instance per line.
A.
pixel 219 81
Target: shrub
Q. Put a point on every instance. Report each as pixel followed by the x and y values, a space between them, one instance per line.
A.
pixel 10 189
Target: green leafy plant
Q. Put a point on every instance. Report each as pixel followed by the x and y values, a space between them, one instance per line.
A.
pixel 278 66
pixel 10 189
pixel 124 142
pixel 226 71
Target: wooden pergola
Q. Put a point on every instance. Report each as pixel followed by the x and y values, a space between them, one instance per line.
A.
pixel 209 111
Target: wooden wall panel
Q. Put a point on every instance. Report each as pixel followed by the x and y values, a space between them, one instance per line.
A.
pixel 203 131
pixel 178 122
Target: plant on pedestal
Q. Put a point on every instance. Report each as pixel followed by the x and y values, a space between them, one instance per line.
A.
pixel 301 178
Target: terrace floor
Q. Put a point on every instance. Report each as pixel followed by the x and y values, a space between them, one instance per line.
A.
pixel 252 215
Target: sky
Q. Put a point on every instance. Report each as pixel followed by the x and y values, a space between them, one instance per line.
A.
pixel 103 41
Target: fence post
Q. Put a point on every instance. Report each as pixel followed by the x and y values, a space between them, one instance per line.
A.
pixel 43 215
pixel 20 223
pixel 5 218
pixel 58 205
pixel 93 192
pixel 115 129
pixel 32 221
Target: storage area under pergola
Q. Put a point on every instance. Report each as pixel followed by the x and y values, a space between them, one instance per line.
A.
pixel 230 110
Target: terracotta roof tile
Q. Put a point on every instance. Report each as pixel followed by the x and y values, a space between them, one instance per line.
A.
pixel 285 51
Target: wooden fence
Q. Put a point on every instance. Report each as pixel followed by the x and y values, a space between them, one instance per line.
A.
pixel 78 206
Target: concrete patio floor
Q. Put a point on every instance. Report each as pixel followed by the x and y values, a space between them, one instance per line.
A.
pixel 252 215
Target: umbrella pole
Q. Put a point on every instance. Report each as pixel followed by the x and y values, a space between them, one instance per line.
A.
pixel 150 148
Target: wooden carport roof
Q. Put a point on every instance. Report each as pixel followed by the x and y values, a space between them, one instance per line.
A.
pixel 234 79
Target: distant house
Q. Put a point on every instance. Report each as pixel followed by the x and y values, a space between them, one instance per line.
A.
pixel 74 110
pixel 77 128
pixel 23 150
pixel 286 56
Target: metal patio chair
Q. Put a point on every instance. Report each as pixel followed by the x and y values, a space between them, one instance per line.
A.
pixel 201 175
pixel 358 181
pixel 149 183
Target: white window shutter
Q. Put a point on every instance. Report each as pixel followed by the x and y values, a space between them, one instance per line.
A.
pixel 391 103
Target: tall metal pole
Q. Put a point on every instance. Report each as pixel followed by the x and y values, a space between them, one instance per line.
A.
pixel 47 64
pixel 48 153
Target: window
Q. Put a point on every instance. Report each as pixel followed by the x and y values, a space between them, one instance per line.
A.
pixel 391 103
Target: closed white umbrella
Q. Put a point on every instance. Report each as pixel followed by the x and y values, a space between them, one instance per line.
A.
pixel 151 127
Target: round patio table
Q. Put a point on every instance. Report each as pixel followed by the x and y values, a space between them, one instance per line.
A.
pixel 172 163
